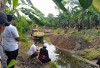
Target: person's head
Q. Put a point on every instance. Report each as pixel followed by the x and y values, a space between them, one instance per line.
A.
pixel 36 43
pixel 44 46
pixel 3 22
pixel 10 18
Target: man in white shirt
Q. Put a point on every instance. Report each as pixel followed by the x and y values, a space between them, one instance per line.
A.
pixel 10 40
pixel 33 52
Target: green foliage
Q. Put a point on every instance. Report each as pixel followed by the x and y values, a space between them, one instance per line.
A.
pixel 12 62
pixel 85 3
pixel 81 53
pixel 53 65
pixel 60 5
pixel 47 39
pixel 91 56
pixel 89 53
pixel 81 60
pixel 23 38
pixel 33 13
pixel 15 4
pixel 98 32
pixel 9 1
pixel 96 4
pixel 75 33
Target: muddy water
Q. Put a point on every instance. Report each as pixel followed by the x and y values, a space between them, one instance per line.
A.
pixel 64 59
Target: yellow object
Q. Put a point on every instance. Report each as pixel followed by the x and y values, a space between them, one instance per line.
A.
pixel 0 60
pixel 96 4
pixel 37 28
pixel 35 31
pixel 37 35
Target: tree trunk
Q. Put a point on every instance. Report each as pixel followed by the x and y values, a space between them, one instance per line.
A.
pixel 2 5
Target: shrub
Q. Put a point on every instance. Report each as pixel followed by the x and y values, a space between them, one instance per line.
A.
pixel 53 65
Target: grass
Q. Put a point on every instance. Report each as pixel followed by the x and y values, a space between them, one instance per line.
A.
pixel 81 60
pixel 24 48
pixel 47 39
pixel 58 31
pixel 89 34
pixel 89 53
pixel 53 65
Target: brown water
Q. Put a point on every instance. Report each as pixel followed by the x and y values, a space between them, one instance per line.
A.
pixel 65 59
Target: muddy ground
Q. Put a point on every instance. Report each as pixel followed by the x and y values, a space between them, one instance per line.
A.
pixel 23 60
pixel 70 42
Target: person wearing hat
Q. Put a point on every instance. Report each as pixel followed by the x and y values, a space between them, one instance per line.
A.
pixel 3 23
pixel 10 40
pixel 43 55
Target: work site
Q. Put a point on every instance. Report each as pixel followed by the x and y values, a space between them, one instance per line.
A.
pixel 49 33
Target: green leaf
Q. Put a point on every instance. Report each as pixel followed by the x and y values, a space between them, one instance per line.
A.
pixel 12 62
pixel 96 4
pixel 36 20
pixel 9 1
pixel 29 2
pixel 60 5
pixel 15 4
pixel 23 2
pixel 85 3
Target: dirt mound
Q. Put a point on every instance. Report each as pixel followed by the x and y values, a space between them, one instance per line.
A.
pixel 69 42
pixel 62 42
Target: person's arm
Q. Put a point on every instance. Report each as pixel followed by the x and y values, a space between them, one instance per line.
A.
pixel 15 34
pixel 3 60
pixel 17 38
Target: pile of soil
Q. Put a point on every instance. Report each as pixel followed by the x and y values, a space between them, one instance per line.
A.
pixel 69 42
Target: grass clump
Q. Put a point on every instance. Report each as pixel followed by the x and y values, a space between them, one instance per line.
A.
pixel 23 38
pixel 75 33
pixel 53 65
pixel 89 53
pixel 47 39
pixel 81 60
pixel 81 53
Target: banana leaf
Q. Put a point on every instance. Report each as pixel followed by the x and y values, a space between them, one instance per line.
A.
pixel 60 5
pixel 96 4
pixel 12 62
pixel 85 3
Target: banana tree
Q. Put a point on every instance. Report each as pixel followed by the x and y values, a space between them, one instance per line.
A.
pixel 11 7
pixel 33 13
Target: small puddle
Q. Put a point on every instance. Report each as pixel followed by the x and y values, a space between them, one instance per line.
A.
pixel 64 59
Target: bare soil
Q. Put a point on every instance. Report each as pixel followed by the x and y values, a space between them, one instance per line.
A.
pixel 69 42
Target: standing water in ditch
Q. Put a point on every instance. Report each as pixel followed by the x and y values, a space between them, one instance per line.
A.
pixel 65 59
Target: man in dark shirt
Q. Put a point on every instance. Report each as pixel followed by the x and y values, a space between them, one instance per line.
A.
pixel 43 56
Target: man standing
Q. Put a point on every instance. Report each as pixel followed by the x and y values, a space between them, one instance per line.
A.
pixel 3 23
pixel 10 40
